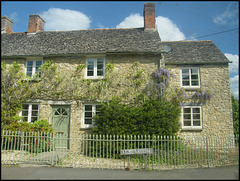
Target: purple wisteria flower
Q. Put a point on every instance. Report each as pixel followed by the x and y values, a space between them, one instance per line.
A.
pixel 203 95
pixel 14 85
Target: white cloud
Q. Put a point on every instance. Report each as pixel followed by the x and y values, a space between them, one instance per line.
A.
pixel 14 17
pixel 234 84
pixel 234 66
pixel 168 31
pixel 64 19
pixel 132 21
pixel 229 16
pixel 233 70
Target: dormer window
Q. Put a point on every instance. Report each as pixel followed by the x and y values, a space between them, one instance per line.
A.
pixel 95 68
pixel 32 68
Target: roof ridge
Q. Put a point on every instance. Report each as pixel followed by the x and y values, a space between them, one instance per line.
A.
pixel 87 30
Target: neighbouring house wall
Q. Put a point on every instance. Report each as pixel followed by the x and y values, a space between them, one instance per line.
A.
pixel 217 112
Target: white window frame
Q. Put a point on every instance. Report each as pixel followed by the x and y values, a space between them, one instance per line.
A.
pixel 34 60
pixel 93 114
pixel 192 127
pixel 30 112
pixel 190 79
pixel 94 68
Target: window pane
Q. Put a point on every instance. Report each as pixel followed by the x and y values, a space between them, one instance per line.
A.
pixel 29 69
pixel 25 119
pixel 88 121
pixel 187 123
pixel 34 113
pixel 196 110
pixel 90 67
pixel 100 60
pixel 88 114
pixel 194 77
pixel 196 123
pixel 30 63
pixel 29 74
pixel 185 77
pixel 185 71
pixel 90 73
pixel 35 107
pixel 186 83
pixel 88 107
pixel 100 66
pixel 24 113
pixel 195 83
pixel 56 113
pixel 38 63
pixel 187 110
pixel 33 119
pixel 25 106
pixel 194 71
pixel 196 116
pixel 99 73
pixel 64 112
pixel 187 116
pixel 98 107
pixel 90 61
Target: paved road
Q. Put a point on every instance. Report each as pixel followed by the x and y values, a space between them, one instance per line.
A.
pixel 53 173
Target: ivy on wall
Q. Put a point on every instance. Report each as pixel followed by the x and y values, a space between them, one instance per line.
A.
pixel 136 86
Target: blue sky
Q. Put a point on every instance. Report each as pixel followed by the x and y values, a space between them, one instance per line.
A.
pixel 176 20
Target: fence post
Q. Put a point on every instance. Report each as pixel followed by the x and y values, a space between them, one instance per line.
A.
pixel 52 141
pixel 207 151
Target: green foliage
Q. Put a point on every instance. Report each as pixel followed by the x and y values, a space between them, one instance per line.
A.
pixel 235 107
pixel 109 67
pixel 152 117
pixel 38 126
pixel 14 91
pixel 36 136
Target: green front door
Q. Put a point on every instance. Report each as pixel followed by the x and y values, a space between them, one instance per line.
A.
pixel 60 121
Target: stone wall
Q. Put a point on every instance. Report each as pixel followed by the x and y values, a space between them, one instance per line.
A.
pixel 216 113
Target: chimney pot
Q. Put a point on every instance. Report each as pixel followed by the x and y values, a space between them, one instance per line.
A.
pixel 36 24
pixel 149 15
pixel 6 25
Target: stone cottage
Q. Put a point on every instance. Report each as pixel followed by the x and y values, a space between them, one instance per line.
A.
pixel 197 65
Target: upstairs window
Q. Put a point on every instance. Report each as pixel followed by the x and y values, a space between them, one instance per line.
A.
pixel 32 68
pixel 30 112
pixel 95 68
pixel 90 110
pixel 190 78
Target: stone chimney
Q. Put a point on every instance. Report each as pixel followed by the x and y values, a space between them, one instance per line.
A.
pixel 149 16
pixel 6 25
pixel 36 24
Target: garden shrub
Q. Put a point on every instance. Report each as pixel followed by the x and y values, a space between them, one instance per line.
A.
pixel 235 107
pixel 40 125
pixel 158 117
pixel 153 117
pixel 36 136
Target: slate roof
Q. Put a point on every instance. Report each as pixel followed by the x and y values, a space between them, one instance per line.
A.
pixel 194 52
pixel 132 40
